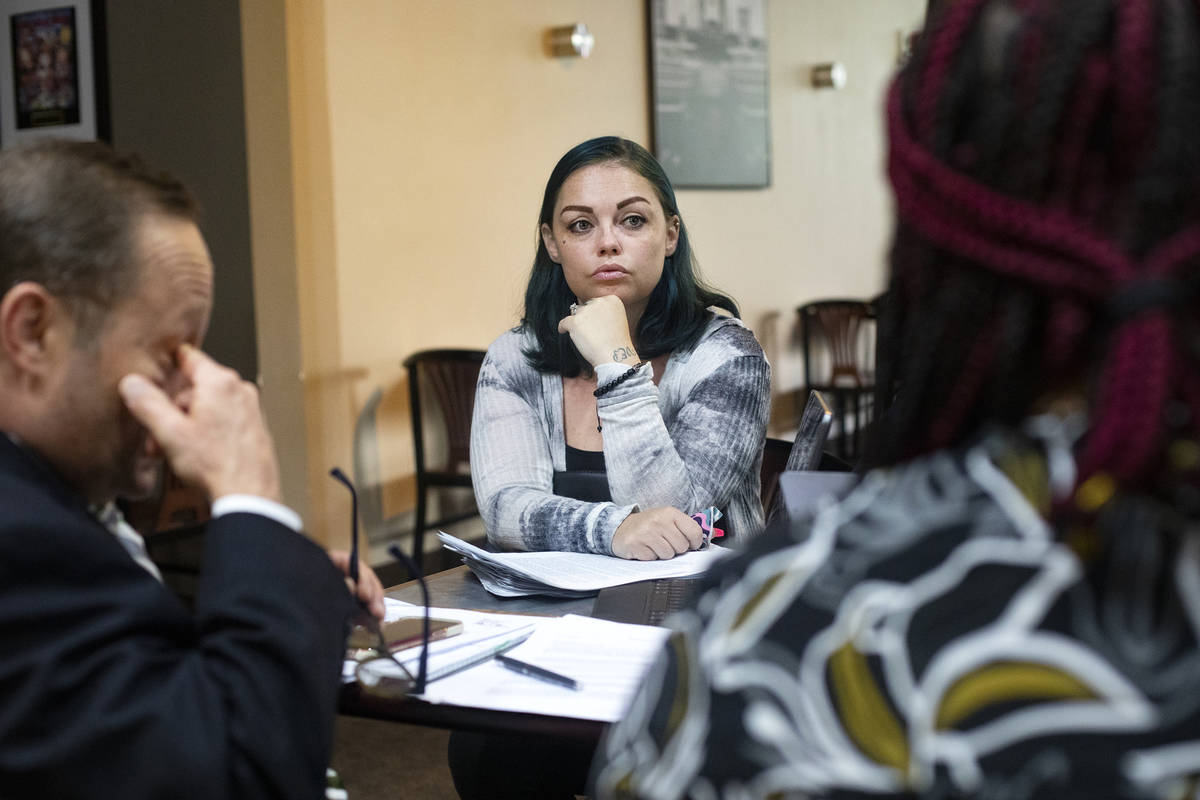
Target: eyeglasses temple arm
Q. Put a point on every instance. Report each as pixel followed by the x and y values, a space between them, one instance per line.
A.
pixel 341 478
pixel 415 571
pixel 403 558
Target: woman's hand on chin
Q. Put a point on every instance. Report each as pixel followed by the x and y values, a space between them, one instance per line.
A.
pixel 599 329
pixel 657 533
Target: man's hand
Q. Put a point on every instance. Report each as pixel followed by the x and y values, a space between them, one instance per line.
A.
pixel 599 329
pixel 369 590
pixel 219 440
pixel 656 533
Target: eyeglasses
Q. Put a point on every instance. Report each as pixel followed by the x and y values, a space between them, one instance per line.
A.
pixel 382 674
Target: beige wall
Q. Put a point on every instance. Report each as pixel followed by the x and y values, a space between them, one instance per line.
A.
pixel 274 241
pixel 422 132
pixel 176 98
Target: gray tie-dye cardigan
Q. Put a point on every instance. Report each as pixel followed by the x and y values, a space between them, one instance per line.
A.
pixel 693 441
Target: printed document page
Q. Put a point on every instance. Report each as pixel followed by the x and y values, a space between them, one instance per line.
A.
pixel 608 659
pixel 571 574
pixel 481 633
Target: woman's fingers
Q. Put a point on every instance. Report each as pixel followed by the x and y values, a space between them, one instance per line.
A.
pixel 657 533
pixel 599 328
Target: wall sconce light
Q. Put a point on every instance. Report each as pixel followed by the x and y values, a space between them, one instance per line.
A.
pixel 570 41
pixel 828 76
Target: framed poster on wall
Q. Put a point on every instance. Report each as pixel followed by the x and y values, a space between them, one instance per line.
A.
pixel 709 91
pixel 48 71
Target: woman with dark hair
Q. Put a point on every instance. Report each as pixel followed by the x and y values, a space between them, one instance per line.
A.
pixel 622 404
pixel 1008 605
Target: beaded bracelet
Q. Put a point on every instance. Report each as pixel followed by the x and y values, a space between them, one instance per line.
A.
pixel 608 387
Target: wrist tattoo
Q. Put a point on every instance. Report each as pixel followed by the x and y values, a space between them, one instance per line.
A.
pixel 622 353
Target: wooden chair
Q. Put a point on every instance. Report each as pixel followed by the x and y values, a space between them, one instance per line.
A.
pixel 172 521
pixel 442 381
pixel 774 461
pixel 368 480
pixel 840 328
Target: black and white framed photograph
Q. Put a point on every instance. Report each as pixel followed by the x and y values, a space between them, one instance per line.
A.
pixel 710 92
pixel 48 74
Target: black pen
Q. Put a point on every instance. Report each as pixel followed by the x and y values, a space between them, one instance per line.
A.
pixel 537 672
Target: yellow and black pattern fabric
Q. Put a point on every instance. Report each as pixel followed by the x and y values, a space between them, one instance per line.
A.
pixel 931 636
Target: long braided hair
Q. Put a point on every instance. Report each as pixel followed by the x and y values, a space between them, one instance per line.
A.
pixel 1045 158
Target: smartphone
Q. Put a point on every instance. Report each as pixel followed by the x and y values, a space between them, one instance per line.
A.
pixel 404 632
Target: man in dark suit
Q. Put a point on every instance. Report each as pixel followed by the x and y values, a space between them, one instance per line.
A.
pixel 108 686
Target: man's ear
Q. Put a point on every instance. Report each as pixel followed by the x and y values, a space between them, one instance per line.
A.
pixel 35 326
pixel 551 245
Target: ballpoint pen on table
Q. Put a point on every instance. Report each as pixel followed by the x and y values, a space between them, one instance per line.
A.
pixel 534 671
pixel 479 656
pixel 375 671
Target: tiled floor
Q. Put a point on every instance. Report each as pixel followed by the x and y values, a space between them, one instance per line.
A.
pixel 387 761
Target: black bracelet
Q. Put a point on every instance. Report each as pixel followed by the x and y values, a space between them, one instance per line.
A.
pixel 608 387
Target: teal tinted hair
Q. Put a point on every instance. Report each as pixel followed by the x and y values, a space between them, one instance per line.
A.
pixel 677 310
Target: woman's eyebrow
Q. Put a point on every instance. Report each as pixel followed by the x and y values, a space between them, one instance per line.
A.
pixel 620 205
pixel 634 199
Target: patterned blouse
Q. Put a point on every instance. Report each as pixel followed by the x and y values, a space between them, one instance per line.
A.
pixel 694 440
pixel 931 636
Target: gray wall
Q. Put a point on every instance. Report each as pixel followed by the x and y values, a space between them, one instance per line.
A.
pixel 176 98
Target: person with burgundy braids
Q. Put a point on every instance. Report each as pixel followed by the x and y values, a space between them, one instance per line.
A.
pixel 1007 605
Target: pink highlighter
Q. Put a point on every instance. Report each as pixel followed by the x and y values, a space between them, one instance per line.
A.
pixel 706 519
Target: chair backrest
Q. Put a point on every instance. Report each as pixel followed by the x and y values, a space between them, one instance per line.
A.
pixel 449 377
pixel 172 504
pixel 815 423
pixel 804 453
pixel 172 521
pixel 838 323
pixel 774 461
pixel 368 477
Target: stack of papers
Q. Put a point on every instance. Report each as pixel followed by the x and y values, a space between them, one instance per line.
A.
pixel 608 660
pixel 570 574
pixel 482 634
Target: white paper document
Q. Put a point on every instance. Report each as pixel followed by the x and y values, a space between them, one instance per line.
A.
pixel 570 574
pixel 481 633
pixel 608 659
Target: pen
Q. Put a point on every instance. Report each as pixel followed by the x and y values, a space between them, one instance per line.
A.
pixel 478 657
pixel 537 672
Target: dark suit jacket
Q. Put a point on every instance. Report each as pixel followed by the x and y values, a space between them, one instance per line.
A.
pixel 109 687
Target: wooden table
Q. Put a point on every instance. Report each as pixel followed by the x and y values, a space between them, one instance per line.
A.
pixel 459 588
